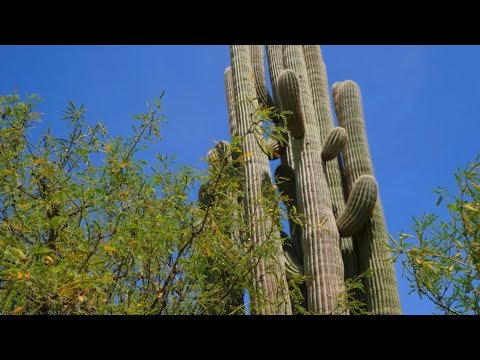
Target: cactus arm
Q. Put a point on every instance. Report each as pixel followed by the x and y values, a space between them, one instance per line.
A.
pixel 291 101
pixel 257 59
pixel 334 143
pixel 275 61
pixel 360 205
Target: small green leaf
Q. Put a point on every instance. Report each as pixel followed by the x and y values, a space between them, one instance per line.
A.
pixel 440 198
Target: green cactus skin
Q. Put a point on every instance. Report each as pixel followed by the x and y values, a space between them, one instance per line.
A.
pixel 322 259
pixel 275 61
pixel 334 143
pixel 264 98
pixel 269 277
pixel 291 100
pixel 359 206
pixel 317 76
pixel 381 289
pixel 284 175
pixel 257 58
pixel 229 93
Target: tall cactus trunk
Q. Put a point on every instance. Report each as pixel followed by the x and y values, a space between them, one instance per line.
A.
pixel 269 274
pixel 320 238
pixel 317 76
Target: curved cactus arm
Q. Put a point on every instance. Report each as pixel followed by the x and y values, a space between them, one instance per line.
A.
pixel 336 140
pixel 217 156
pixel 359 206
pixel 291 100
pixel 275 67
pixel 257 59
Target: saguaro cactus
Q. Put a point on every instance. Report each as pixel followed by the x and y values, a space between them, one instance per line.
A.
pixel 340 238
pixel 317 76
pixel 381 289
pixel 320 238
pixel 269 276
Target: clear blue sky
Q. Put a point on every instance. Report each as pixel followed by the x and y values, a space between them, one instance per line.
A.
pixel 420 104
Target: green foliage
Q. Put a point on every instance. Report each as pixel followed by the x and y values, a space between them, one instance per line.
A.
pixel 349 300
pixel 88 227
pixel 442 261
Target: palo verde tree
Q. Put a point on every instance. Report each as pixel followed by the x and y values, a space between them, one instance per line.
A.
pixel 442 259
pixel 89 227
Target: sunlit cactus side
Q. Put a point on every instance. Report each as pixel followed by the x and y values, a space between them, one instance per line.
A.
pixel 373 252
pixel 270 275
pixel 258 67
